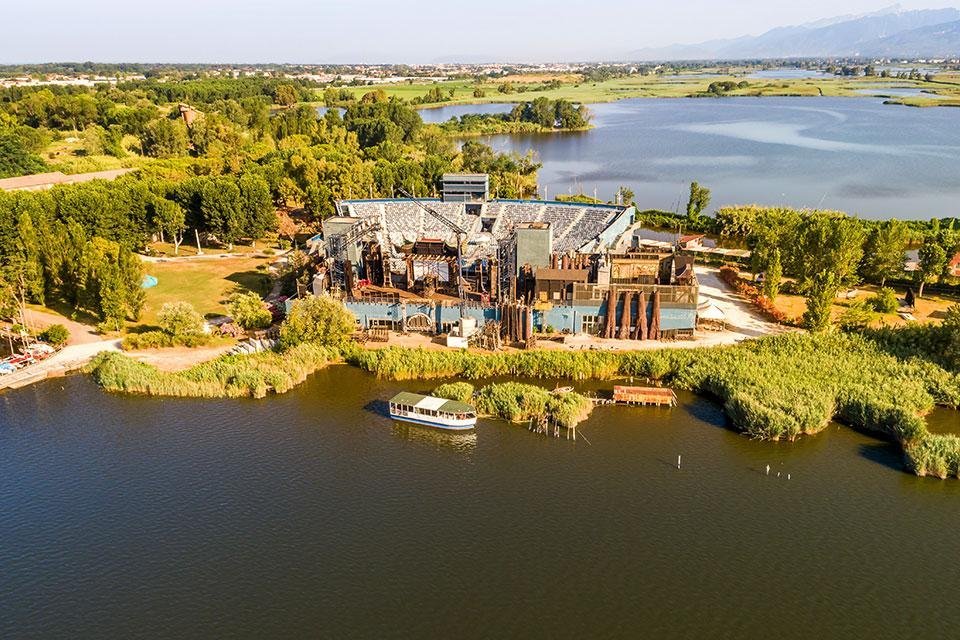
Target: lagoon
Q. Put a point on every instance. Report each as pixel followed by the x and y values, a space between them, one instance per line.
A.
pixel 853 154
pixel 312 514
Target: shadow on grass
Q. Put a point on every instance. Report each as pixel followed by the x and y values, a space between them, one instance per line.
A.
pixel 67 311
pixel 143 328
pixel 252 280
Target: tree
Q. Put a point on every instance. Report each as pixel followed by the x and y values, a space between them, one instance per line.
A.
pixel 931 261
pixel 625 195
pixel 180 319
pixel 699 199
pixel 55 334
pixel 821 293
pixel 256 205
pixel 318 319
pixel 248 311
pixel 111 283
pixel 951 326
pixel 773 276
pixel 164 138
pixel 285 94
pixel 884 301
pixel 825 242
pixel 15 158
pixel 286 226
pixel 220 202
pixel 884 251
pixel 171 219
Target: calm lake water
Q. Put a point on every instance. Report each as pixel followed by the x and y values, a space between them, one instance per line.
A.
pixel 853 154
pixel 787 74
pixel 312 515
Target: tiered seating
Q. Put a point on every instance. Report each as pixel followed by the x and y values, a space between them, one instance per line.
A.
pixel 402 220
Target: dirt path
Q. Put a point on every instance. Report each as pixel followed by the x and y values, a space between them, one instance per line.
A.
pixel 179 358
pixel 742 318
pixel 79 333
pixel 67 359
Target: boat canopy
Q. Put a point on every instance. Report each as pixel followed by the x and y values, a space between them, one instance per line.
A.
pixel 430 403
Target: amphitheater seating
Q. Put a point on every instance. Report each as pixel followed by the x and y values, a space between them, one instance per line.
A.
pixel 573 224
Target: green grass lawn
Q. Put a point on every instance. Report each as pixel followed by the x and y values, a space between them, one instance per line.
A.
pixel 206 284
pixel 665 86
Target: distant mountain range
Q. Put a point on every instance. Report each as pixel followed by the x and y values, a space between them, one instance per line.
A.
pixel 891 32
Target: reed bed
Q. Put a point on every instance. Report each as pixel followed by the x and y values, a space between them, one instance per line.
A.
pixel 780 387
pixel 459 391
pixel 229 376
pixel 518 402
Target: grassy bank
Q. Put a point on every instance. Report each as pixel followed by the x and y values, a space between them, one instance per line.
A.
pixel 660 86
pixel 230 376
pixel 771 389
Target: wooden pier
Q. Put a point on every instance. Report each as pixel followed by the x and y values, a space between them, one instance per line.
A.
pixel 655 396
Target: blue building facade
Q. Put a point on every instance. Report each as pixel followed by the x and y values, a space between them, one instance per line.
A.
pixel 561 318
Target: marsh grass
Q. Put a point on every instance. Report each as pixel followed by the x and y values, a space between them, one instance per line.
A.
pixel 780 387
pixel 229 376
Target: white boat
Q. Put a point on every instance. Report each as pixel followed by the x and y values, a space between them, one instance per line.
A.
pixel 432 412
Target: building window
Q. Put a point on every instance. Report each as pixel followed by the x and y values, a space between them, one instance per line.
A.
pixel 591 324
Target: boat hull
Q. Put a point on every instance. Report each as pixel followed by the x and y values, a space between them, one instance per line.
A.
pixel 459 425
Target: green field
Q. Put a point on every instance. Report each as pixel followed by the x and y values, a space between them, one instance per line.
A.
pixel 667 86
pixel 206 284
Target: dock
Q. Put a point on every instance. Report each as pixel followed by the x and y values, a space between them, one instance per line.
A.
pixel 644 396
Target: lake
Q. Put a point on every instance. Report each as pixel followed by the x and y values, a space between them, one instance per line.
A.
pixel 852 154
pixel 312 515
pixel 787 74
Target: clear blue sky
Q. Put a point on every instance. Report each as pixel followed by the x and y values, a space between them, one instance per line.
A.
pixel 316 31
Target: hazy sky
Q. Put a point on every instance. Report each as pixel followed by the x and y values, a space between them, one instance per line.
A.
pixel 315 31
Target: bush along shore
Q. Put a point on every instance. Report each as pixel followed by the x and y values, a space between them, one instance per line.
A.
pixel 779 387
pixel 774 388
pixel 518 402
pixel 229 376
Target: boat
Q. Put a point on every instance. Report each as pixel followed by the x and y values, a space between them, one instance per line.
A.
pixel 432 412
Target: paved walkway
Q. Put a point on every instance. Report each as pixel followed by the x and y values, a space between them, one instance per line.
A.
pixel 742 317
pixel 67 359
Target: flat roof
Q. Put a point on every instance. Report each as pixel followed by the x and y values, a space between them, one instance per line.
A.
pixel 430 403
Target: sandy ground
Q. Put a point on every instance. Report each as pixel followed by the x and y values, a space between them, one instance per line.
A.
pixel 178 358
pixel 79 333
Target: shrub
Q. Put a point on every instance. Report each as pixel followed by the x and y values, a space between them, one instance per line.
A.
pixel 856 317
pixel 229 376
pixel 884 301
pixel 180 319
pixel 248 311
pixel 731 275
pixel 318 319
pixel 55 334
pixel 161 339
pixel 935 455
pixel 460 391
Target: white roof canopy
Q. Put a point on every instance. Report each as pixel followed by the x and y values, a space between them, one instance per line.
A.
pixel 430 403
pixel 711 311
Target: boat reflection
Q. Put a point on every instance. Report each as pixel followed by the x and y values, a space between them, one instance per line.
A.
pixel 461 441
